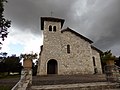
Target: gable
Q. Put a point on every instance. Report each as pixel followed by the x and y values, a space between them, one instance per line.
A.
pixel 77 34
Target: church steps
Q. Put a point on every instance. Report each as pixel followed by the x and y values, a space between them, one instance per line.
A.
pixel 67 79
pixel 78 86
pixel 72 82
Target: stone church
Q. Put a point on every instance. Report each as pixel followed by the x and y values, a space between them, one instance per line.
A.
pixel 66 52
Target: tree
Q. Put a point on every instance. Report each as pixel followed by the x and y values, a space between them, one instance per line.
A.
pixel 106 56
pixel 30 56
pixel 3 54
pixel 34 67
pixel 4 23
pixel 107 59
pixel 12 64
pixel 2 67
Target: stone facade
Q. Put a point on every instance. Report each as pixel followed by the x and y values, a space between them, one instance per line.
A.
pixel 96 55
pixel 66 52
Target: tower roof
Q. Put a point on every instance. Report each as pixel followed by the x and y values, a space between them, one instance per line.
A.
pixel 51 19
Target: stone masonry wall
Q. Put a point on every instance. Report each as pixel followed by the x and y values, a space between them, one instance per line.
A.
pixel 79 61
pixel 97 60
pixel 51 46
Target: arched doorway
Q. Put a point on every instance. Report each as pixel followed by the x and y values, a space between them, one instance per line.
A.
pixel 52 67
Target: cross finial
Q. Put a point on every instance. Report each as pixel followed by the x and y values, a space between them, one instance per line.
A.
pixel 51 13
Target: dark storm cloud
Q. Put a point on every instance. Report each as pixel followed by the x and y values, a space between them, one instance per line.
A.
pixel 97 19
pixel 106 26
pixel 25 14
pixel 100 21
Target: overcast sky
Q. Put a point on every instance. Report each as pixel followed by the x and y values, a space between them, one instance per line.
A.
pixel 96 19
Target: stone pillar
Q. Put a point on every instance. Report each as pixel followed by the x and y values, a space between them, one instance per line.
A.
pixel 110 62
pixel 27 68
pixel 111 72
pixel 27 63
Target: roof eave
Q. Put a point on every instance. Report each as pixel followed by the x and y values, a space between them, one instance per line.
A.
pixel 100 51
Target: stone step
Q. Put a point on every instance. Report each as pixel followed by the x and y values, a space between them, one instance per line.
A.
pixel 78 86
pixel 68 79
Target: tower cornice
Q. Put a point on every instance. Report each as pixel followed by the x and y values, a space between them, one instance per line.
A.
pixel 53 19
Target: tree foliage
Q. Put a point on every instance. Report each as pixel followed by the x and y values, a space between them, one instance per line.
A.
pixel 34 68
pixel 4 23
pixel 107 56
pixel 10 64
pixel 29 56
pixel 4 54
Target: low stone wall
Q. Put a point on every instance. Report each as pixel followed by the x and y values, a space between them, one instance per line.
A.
pixel 25 81
pixel 112 73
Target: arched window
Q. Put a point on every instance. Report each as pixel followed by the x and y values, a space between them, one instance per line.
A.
pixel 68 48
pixel 95 68
pixel 50 28
pixel 54 28
pixel 94 61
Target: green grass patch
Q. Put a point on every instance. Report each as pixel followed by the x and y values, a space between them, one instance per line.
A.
pixel 3 87
pixel 8 81
pixel 4 75
pixel 10 76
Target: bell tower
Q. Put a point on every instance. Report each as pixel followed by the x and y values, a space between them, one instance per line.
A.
pixel 49 20
pixel 51 32
pixel 51 42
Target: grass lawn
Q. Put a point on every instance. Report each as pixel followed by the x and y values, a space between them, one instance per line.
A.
pixel 7 82
pixel 10 76
pixel 4 87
